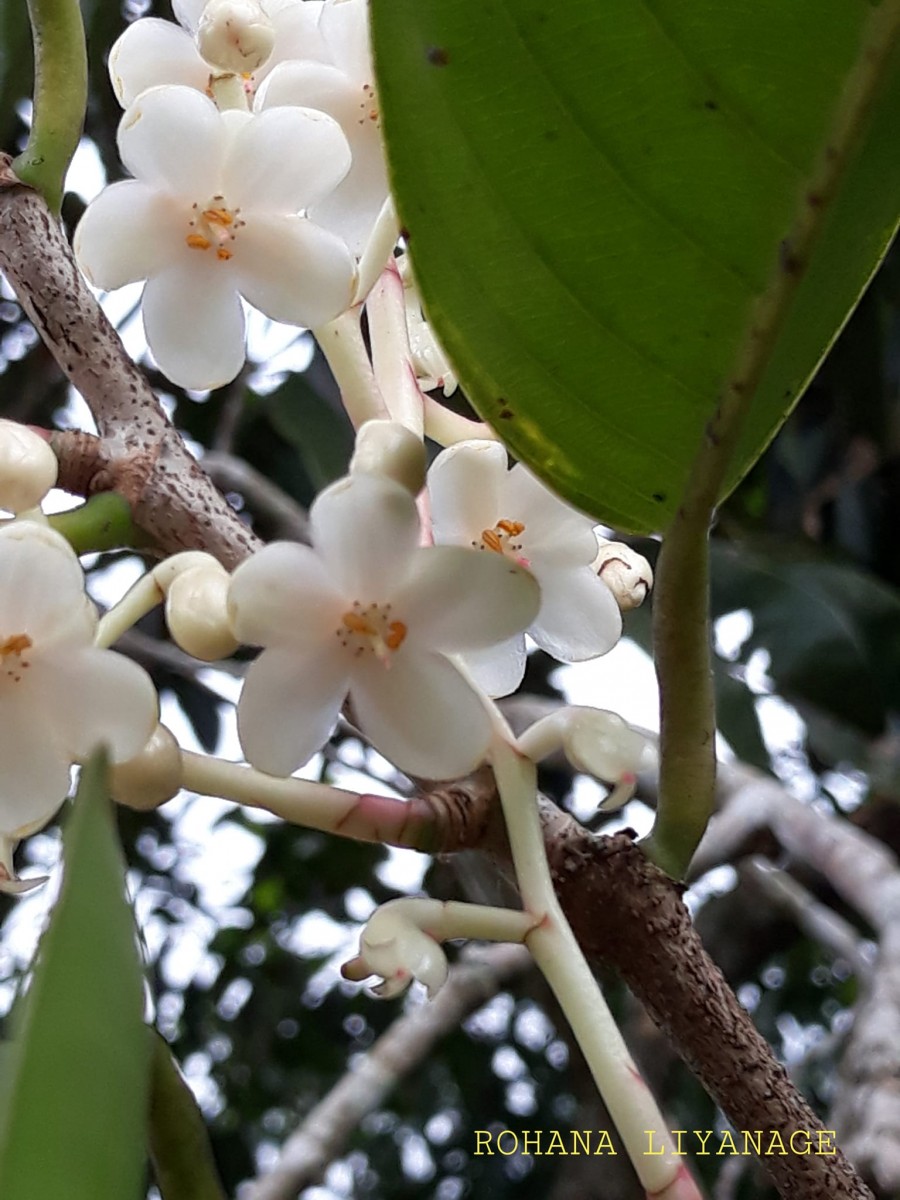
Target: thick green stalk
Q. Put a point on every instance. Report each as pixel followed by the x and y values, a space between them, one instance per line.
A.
pixel 60 97
pixel 681 634
pixel 102 523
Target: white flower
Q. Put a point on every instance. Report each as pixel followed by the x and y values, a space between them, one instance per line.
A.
pixel 476 501
pixel 368 611
pixel 213 215
pixel 60 696
pixel 152 52
pixel 344 87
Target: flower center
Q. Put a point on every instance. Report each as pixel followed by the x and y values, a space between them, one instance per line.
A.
pixel 11 652
pixel 504 539
pixel 213 227
pixel 371 630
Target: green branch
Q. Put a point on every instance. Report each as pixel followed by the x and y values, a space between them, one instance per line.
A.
pixel 103 522
pixel 681 629
pixel 60 97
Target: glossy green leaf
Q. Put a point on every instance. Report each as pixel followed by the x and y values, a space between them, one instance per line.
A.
pixel 598 194
pixel 72 1117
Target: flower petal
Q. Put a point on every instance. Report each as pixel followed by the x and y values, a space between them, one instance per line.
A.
pixel 288 707
pixel 421 714
pixel 554 531
pixel 43 589
pixel 579 617
pixel 152 52
pixel 284 594
pixel 174 139
pixel 194 323
pixel 366 529
pixel 92 697
pixel 498 670
pixel 189 12
pixel 344 27
pixel 457 599
pixel 285 160
pixel 35 777
pixel 465 483
pixel 128 232
pixel 351 210
pixel 292 270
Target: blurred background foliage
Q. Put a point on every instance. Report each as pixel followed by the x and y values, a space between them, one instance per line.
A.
pixel 244 919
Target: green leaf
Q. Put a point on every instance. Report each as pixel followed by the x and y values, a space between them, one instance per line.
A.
pixel 621 212
pixel 72 1119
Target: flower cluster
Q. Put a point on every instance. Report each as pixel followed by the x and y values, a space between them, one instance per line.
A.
pixel 253 135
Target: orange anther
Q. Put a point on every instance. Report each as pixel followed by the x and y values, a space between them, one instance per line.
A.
pixel 513 528
pixel 219 216
pixel 197 241
pixel 357 624
pixel 15 644
pixel 396 635
pixel 223 253
pixel 491 540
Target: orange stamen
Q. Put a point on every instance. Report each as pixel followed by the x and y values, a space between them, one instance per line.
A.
pixel 223 254
pixel 358 624
pixel 513 528
pixel 492 540
pixel 15 644
pixel 219 216
pixel 197 241
pixel 396 635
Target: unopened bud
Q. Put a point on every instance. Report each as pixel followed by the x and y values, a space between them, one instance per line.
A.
pixel 389 449
pixel 601 744
pixel 235 36
pixel 150 778
pixel 197 612
pixel 28 467
pixel 626 573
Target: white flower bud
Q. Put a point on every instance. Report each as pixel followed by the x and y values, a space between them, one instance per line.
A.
pixel 601 744
pixel 150 778
pixel 28 467
pixel 626 573
pixel 235 36
pixel 389 449
pixel 394 946
pixel 197 612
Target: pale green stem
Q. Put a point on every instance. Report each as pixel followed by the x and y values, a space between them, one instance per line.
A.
pixel 151 589
pixel 391 354
pixel 447 427
pixel 362 816
pixel 681 605
pixel 342 344
pixel 60 97
pixel 444 920
pixel 556 951
pixel 379 250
